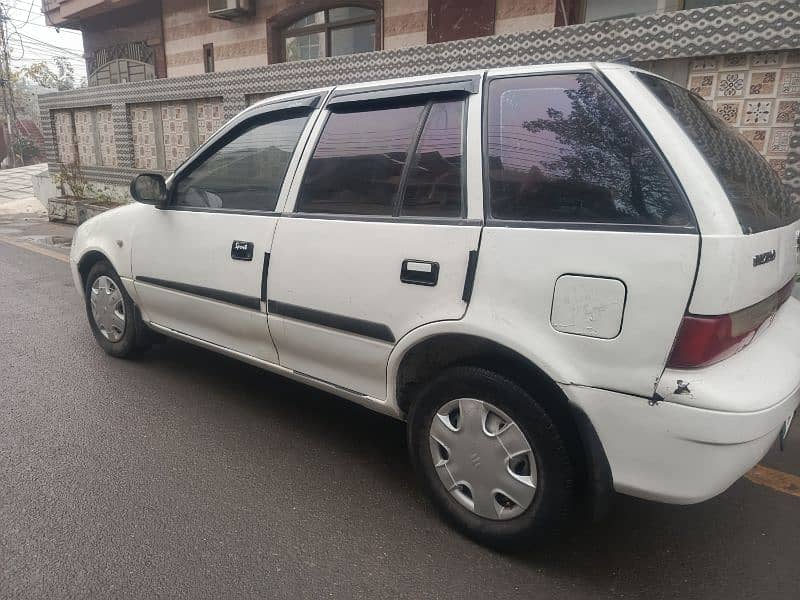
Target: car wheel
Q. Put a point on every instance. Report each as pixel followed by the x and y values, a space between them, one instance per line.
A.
pixel 113 317
pixel 491 458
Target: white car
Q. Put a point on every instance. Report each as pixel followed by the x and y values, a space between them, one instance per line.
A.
pixel 568 279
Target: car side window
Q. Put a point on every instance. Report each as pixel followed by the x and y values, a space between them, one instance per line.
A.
pixel 367 158
pixel 434 185
pixel 561 149
pixel 246 173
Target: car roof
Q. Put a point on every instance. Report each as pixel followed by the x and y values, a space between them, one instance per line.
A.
pixel 425 79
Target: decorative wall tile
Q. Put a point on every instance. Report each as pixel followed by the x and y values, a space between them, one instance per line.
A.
pixel 762 83
pixel 706 63
pixel 757 137
pixel 779 164
pixel 779 141
pixel 764 59
pixel 757 112
pixel 210 117
pixel 733 61
pixel 787 112
pixel 729 111
pixel 702 85
pixel 84 137
pixel 792 57
pixel 731 84
pixel 175 124
pixel 65 136
pixel 790 82
pixel 105 130
pixel 144 137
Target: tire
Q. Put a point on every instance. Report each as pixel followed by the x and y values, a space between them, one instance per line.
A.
pixel 125 340
pixel 522 524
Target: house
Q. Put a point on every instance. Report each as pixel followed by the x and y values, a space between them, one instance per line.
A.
pixel 218 56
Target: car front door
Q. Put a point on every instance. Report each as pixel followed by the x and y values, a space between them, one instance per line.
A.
pixel 200 263
pixel 379 240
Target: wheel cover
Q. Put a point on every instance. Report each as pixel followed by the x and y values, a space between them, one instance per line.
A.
pixel 483 458
pixel 108 308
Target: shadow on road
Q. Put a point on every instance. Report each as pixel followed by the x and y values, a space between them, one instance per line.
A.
pixel 639 544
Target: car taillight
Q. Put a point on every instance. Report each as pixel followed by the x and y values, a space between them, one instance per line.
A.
pixel 705 340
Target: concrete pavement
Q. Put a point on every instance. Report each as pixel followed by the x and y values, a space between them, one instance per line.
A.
pixel 185 474
pixel 16 190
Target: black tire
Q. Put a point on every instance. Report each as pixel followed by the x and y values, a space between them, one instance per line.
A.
pixel 554 498
pixel 135 336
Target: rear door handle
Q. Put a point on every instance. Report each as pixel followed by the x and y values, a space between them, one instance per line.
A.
pixel 419 272
pixel 241 250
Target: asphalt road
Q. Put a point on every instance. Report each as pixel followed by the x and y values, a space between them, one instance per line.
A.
pixel 186 474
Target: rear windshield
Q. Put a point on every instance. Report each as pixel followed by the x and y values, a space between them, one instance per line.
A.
pixel 759 198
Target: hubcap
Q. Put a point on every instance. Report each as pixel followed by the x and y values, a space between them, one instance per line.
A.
pixel 483 459
pixel 108 309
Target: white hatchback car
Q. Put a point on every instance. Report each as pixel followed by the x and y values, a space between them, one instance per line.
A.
pixel 568 279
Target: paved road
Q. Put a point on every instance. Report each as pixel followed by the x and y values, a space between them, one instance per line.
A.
pixel 188 475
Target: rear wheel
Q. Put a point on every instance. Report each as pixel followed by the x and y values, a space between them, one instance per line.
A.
pixel 490 457
pixel 113 317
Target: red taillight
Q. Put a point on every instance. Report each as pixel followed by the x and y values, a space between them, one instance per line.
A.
pixel 702 340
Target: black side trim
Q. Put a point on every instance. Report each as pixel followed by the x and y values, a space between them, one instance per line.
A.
pixel 369 329
pixel 469 280
pixel 204 292
pixel 264 275
pixel 452 86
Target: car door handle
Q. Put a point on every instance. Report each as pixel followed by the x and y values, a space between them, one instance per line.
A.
pixel 419 272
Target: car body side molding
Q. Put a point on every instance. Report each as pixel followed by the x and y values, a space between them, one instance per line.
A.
pixel 370 329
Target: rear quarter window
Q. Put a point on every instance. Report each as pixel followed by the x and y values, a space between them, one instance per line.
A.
pixel 562 149
pixel 757 195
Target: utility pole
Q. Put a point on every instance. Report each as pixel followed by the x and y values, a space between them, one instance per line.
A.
pixel 11 115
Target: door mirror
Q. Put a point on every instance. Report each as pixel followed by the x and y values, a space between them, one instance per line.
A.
pixel 149 188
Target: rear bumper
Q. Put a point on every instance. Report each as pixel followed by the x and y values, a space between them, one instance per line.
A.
pixel 707 431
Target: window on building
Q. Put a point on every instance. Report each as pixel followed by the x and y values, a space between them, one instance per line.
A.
pixel 122 71
pixel 561 149
pixel 245 174
pixel 208 57
pixel 332 32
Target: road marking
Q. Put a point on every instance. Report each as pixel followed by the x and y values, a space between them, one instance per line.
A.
pixel 775 480
pixel 35 248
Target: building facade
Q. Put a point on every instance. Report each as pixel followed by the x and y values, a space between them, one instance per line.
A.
pixel 742 57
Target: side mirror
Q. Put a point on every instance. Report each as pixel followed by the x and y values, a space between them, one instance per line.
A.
pixel 149 188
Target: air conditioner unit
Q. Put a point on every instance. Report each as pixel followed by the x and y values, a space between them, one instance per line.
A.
pixel 229 9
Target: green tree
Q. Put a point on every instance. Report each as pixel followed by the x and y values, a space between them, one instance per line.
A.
pixel 62 78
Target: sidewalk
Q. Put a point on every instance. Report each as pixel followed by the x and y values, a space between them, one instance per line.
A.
pixel 16 190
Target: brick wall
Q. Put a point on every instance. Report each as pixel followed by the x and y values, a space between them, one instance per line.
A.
pixel 524 15
pixel 242 44
pixel 404 23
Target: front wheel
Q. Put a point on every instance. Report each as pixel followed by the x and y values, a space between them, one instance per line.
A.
pixel 113 316
pixel 490 457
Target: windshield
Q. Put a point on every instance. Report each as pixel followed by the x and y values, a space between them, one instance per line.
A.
pixel 758 197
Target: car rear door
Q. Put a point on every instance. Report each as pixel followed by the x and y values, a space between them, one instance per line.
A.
pixel 590 248
pixel 199 264
pixel 377 237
